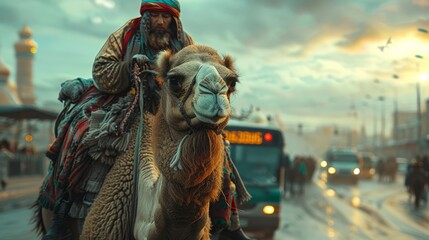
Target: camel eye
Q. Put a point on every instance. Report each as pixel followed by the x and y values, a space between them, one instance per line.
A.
pixel 175 82
pixel 232 85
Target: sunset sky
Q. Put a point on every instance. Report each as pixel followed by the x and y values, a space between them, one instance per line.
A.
pixel 313 62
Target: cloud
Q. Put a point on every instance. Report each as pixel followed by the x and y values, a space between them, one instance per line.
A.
pixel 307 60
pixel 105 3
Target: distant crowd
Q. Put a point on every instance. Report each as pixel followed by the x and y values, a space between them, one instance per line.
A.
pixel 387 169
pixel 416 179
pixel 298 172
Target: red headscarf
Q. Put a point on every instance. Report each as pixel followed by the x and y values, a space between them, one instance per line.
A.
pixel 170 6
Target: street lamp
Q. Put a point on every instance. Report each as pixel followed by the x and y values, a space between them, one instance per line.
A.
pixel 419 114
pixel 395 112
pixel 383 123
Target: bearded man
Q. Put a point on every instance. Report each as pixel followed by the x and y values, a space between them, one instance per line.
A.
pixel 138 41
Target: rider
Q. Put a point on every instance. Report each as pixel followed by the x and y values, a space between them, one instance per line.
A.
pixel 138 41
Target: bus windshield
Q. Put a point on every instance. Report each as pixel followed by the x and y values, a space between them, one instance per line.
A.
pixel 257 165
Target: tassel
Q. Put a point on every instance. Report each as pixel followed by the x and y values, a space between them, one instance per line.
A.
pixel 96 118
pixel 110 152
pixel 105 142
pixel 109 160
pixel 175 161
pixel 121 143
pixel 242 194
pixel 95 153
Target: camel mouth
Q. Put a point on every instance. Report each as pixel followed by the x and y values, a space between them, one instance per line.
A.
pixel 211 127
pixel 210 119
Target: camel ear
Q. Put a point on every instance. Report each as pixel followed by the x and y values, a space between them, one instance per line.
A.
pixel 229 62
pixel 164 63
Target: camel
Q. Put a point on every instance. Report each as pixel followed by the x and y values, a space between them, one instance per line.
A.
pixel 181 155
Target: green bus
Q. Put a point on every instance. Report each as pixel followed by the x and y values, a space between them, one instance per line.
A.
pixel 257 151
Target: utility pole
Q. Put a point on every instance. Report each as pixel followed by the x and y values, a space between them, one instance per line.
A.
pixel 382 127
pixel 419 113
pixel 395 113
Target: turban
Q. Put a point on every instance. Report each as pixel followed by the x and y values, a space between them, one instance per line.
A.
pixel 170 6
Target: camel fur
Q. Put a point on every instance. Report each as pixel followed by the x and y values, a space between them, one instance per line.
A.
pixel 173 202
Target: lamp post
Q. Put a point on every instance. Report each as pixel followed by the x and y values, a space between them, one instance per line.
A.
pixel 383 123
pixel 395 112
pixel 419 113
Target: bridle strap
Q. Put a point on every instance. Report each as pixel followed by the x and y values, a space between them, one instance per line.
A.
pixel 181 103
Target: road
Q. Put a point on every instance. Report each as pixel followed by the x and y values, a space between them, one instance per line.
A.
pixel 369 210
pixel 15 202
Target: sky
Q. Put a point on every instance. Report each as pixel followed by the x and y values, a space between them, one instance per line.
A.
pixel 309 62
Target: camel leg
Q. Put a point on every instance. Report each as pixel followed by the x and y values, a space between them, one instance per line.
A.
pixel 47 217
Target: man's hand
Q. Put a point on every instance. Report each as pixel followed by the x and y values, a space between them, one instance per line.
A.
pixel 142 61
pixel 72 90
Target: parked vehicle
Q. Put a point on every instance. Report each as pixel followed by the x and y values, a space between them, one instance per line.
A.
pixel 343 165
pixel 368 165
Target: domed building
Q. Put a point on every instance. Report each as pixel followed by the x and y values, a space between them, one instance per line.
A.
pixel 23 91
pixel 8 94
pixel 26 126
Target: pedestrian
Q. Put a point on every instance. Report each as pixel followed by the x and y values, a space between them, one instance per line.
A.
pixel 137 42
pixel 417 182
pixel 286 164
pixel 5 157
pixel 381 169
pixel 301 173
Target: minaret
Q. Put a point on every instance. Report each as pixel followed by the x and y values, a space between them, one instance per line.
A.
pixel 25 50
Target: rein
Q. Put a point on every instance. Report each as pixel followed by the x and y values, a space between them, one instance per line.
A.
pixel 141 91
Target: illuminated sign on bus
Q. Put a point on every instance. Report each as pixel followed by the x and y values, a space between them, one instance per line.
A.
pixel 248 137
pixel 244 137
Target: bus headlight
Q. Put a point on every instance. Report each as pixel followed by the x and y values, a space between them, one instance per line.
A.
pixel 268 209
pixel 331 170
pixel 356 171
pixel 323 164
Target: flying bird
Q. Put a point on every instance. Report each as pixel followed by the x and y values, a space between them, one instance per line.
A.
pixel 423 30
pixel 389 41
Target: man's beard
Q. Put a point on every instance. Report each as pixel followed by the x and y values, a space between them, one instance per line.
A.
pixel 159 39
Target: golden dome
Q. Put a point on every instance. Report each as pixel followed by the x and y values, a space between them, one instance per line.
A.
pixel 4 69
pixel 25 32
pixel 26 44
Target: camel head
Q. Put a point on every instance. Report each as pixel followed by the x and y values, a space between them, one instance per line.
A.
pixel 197 84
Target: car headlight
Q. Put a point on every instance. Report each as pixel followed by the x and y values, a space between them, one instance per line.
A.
pixel 356 171
pixel 323 164
pixel 331 170
pixel 268 209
